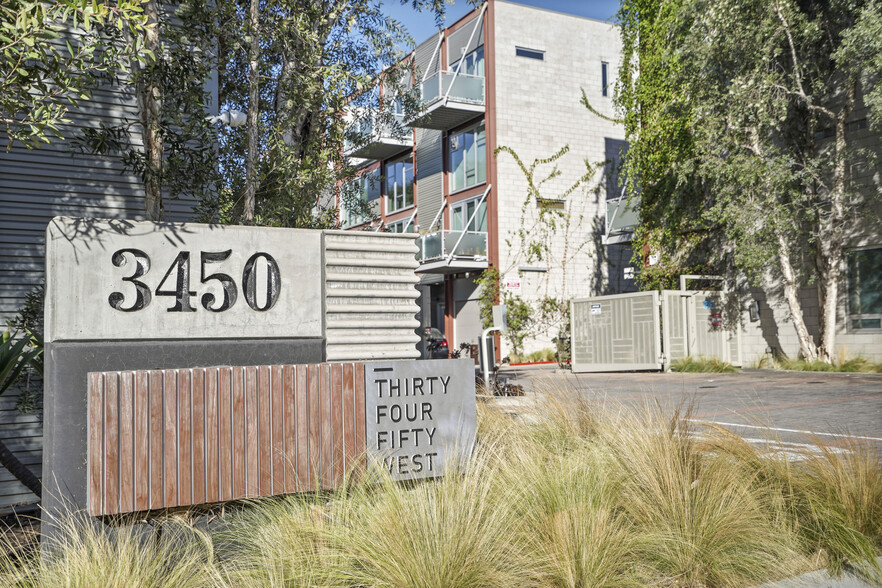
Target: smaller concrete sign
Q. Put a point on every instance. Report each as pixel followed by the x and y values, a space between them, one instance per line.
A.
pixel 420 415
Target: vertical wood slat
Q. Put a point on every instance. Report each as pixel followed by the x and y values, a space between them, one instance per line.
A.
pixel 127 441
pixel 212 493
pixel 185 439
pixel 96 441
pixel 251 449
pixel 111 442
pixel 225 446
pixel 199 436
pixel 169 438
pixel 348 402
pixel 142 440
pixel 264 432
pixel 290 409
pixel 277 410
pixel 337 422
pixel 156 430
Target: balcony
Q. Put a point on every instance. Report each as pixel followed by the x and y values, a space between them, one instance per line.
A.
pixel 376 138
pixel 449 100
pixel 449 252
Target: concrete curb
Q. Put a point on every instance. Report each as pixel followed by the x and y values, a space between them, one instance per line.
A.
pixel 822 579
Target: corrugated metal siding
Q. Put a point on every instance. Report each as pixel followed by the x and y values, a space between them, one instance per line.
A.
pixel 458 41
pixel 359 324
pixel 429 178
pixel 425 59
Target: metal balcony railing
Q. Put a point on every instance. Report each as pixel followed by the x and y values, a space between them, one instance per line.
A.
pixel 452 244
pixel 453 86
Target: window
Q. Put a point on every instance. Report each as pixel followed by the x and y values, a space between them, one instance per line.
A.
pixel 865 289
pixel 472 64
pixel 604 78
pixel 468 158
pixel 530 53
pixel 399 184
pixel 402 226
pixel 461 212
pixel 357 197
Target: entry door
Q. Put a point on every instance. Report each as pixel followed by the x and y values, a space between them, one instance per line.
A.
pixel 616 333
pixel 693 324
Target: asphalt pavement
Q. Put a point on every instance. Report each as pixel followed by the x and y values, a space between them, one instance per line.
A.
pixel 792 405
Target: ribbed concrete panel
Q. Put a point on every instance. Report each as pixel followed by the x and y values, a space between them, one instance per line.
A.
pixel 370 296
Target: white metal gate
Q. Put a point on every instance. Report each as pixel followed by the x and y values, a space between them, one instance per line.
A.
pixel 650 330
pixel 616 333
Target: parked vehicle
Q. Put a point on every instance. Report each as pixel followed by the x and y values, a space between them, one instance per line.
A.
pixel 436 344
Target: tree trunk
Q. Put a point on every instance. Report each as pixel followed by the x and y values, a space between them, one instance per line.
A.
pixel 807 347
pixel 21 472
pixel 253 110
pixel 150 109
pixel 832 235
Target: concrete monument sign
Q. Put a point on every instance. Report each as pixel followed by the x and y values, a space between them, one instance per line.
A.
pixel 121 280
pixel 124 296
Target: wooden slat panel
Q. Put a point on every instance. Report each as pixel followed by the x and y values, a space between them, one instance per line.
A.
pixel 170 434
pixel 314 427
pixel 156 429
pixel 127 442
pixel 327 462
pixel 348 417
pixel 96 443
pixel 264 432
pixel 225 435
pixel 238 432
pixel 198 436
pixel 277 413
pixel 337 421
pixel 302 389
pixel 212 493
pixel 111 442
pixel 289 400
pixel 252 472
pixel 142 440
pixel 185 440
pixel 360 424
pixel 168 438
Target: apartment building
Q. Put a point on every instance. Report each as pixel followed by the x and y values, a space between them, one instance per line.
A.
pixel 505 75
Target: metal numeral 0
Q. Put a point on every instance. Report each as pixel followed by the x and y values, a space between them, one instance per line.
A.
pixel 273 282
pixel 142 290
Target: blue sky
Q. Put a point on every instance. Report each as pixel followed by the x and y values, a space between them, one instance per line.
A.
pixel 422 25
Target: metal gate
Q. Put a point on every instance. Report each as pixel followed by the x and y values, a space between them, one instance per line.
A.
pixel 650 330
pixel 616 333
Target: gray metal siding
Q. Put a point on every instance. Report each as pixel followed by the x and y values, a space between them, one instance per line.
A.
pixel 424 58
pixel 458 41
pixel 36 185
pixel 429 175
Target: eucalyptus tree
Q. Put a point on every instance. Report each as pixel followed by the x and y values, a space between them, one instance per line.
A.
pixel 740 132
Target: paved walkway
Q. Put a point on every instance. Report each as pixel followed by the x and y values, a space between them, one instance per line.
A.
pixel 791 403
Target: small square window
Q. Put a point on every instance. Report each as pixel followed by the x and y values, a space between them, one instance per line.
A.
pixel 530 53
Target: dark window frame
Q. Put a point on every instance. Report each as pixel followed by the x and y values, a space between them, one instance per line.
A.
pixel 536 54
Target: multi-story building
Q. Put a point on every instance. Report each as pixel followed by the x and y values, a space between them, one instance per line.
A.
pixel 504 76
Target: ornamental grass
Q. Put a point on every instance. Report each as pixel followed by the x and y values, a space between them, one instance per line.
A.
pixel 577 495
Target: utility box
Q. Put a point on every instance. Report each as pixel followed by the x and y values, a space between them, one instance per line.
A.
pixel 500 317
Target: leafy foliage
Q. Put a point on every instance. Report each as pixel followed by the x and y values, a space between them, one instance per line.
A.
pixel 51 54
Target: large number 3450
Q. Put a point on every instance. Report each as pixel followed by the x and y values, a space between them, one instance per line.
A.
pixel 179 272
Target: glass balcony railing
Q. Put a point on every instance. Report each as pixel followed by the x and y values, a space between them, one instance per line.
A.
pixel 458 87
pixel 376 129
pixel 440 244
pixel 620 216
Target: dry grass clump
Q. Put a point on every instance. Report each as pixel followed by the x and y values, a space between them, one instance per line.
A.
pixel 584 495
pixel 84 554
pixel 860 365
pixel 710 365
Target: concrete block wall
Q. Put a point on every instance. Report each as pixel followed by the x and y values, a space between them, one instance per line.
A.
pixel 539 112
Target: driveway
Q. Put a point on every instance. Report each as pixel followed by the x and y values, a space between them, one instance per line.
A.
pixel 792 404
